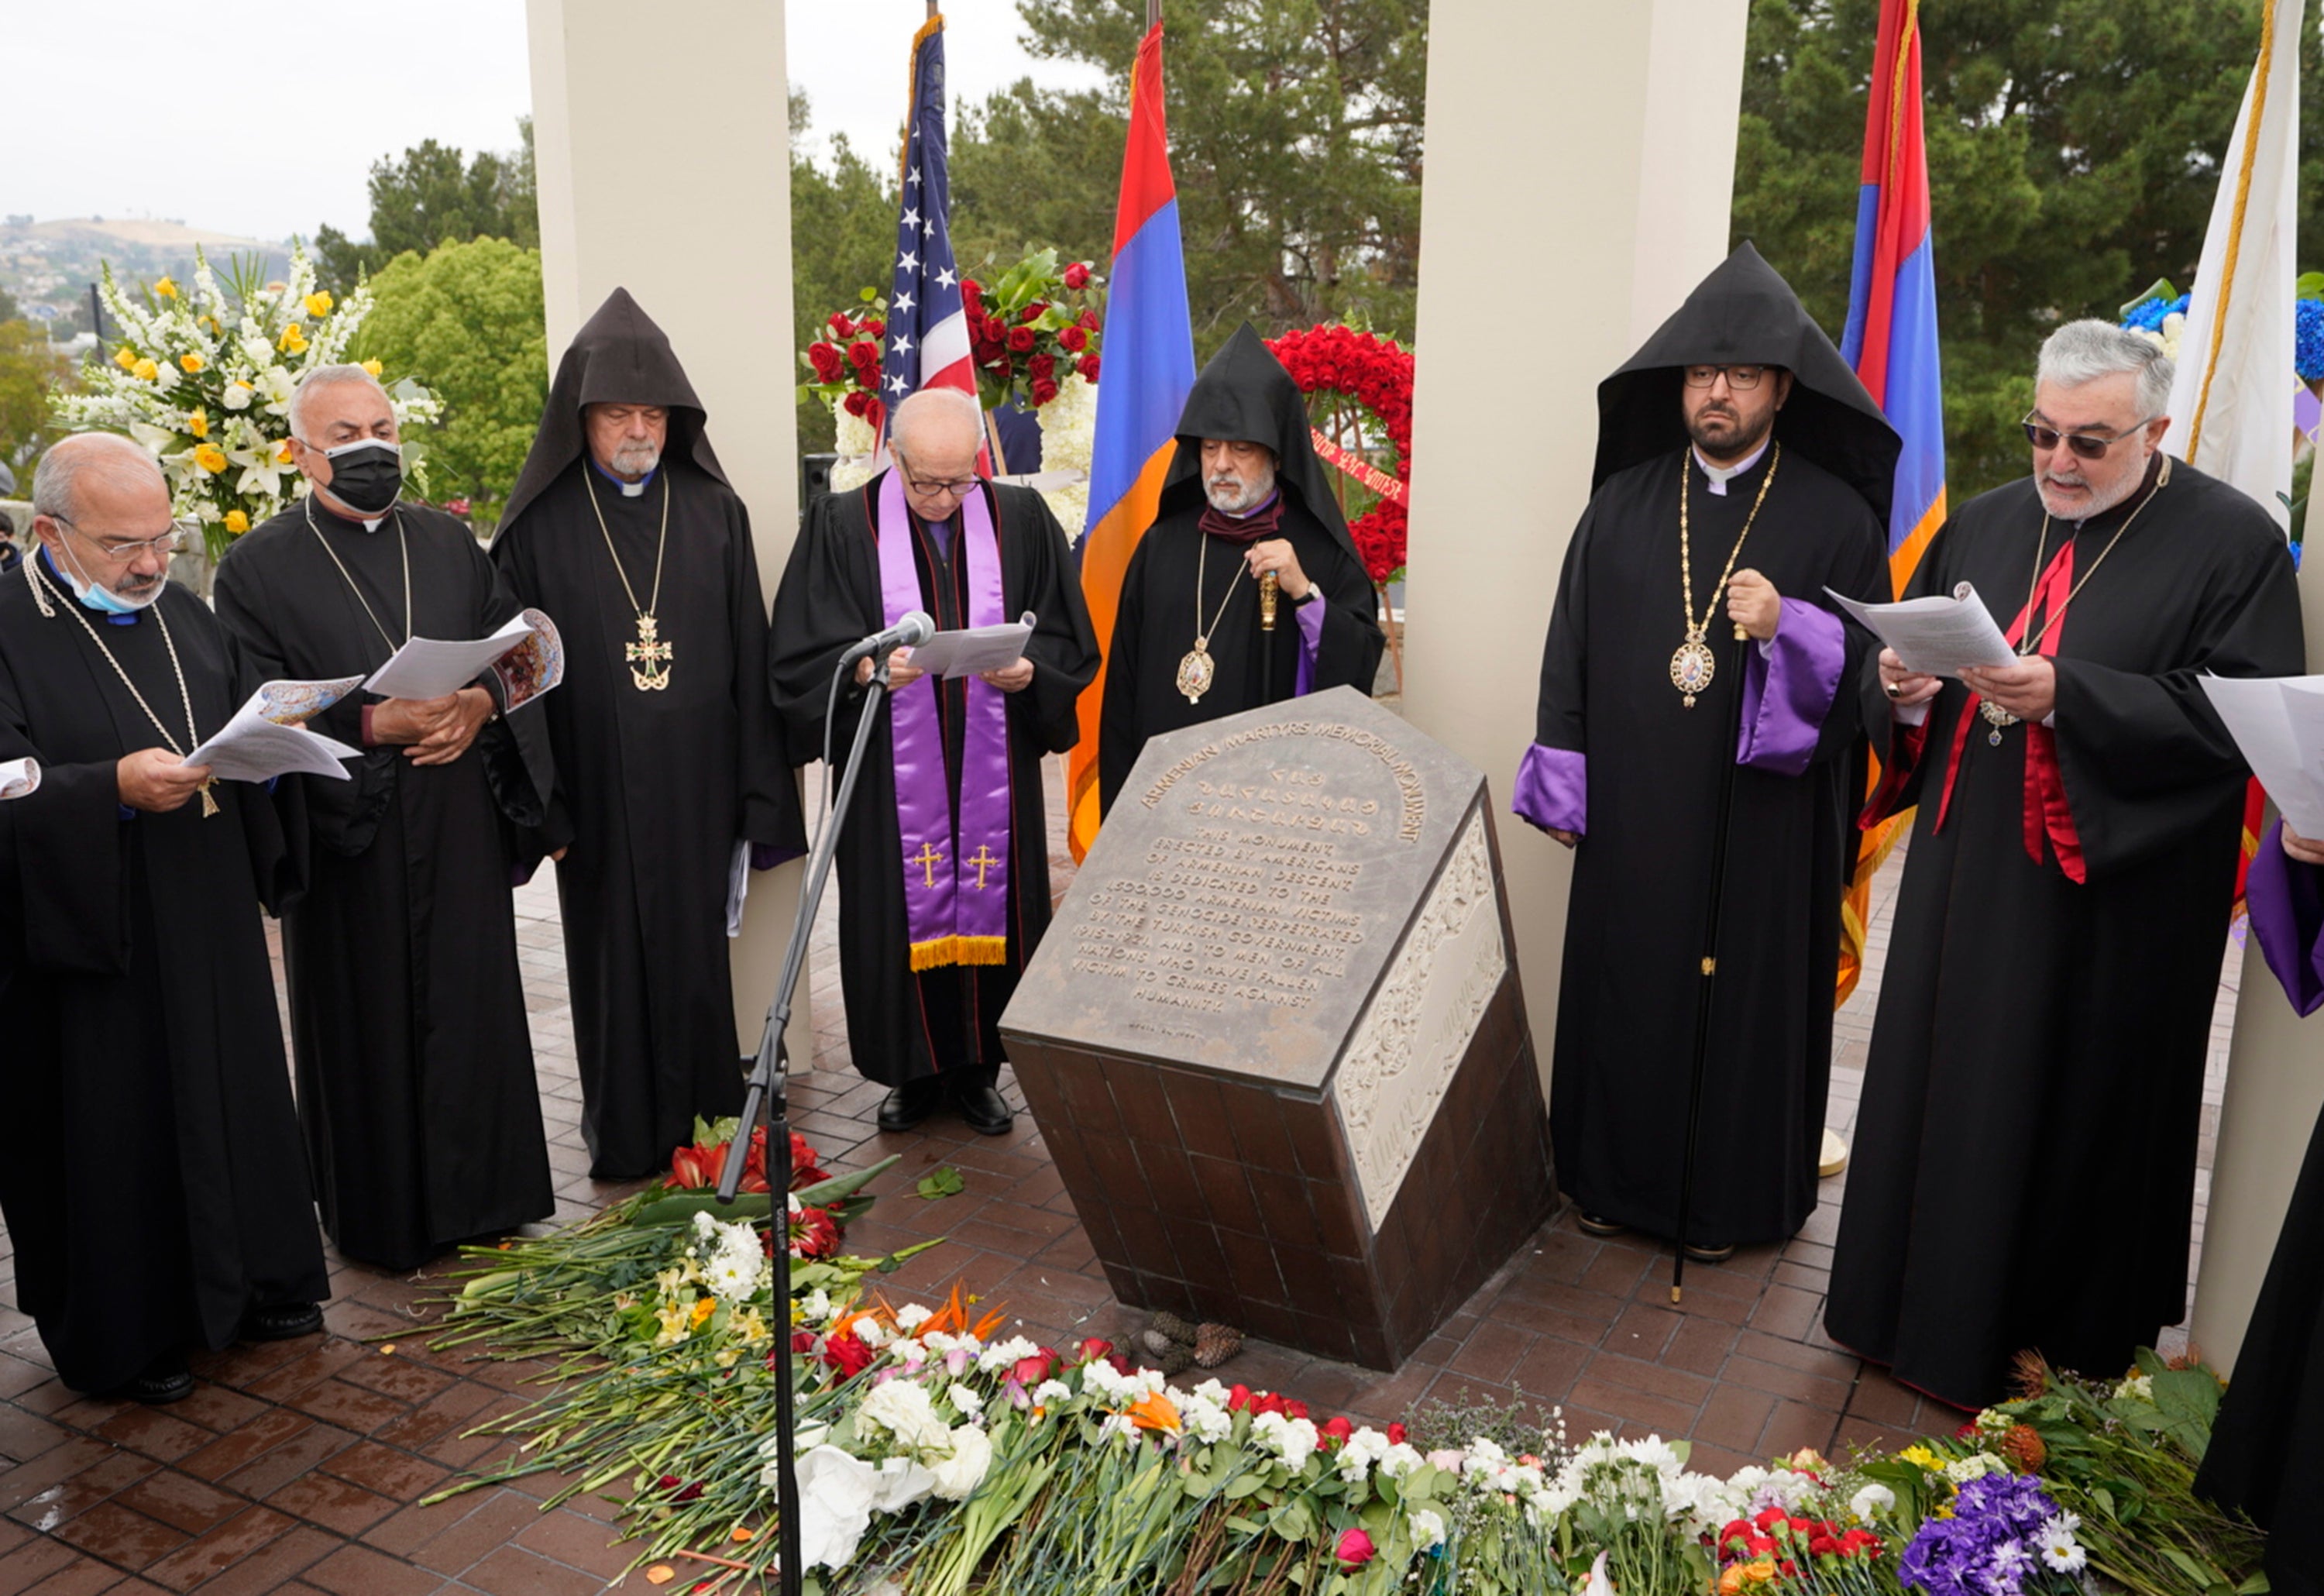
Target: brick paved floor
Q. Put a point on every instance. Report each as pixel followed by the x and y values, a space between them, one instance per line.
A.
pixel 299 1467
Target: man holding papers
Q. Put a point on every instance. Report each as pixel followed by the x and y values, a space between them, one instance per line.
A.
pixel 2033 1089
pixel 150 1168
pixel 668 754
pixel 407 1009
pixel 944 865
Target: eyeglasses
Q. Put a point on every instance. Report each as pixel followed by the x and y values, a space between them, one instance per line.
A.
pixel 1741 378
pixel 125 548
pixel 2087 446
pixel 958 490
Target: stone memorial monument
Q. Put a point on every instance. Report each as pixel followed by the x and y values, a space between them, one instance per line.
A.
pixel 1276 1038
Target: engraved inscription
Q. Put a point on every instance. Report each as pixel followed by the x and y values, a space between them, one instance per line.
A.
pixel 1402 1057
pixel 1412 796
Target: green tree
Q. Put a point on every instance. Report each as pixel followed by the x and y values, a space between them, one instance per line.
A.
pixel 2074 150
pixel 436 194
pixel 9 311
pixel 30 371
pixel 467 320
pixel 843 226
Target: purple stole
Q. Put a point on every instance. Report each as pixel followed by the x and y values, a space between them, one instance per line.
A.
pixel 956 869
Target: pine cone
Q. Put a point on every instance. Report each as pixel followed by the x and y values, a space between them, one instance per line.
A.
pixel 1153 1343
pixel 1177 1360
pixel 1215 1344
pixel 1169 1324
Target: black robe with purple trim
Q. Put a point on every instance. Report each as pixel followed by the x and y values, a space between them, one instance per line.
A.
pixel 2263 1460
pixel 903 1026
pixel 150 1171
pixel 1620 758
pixel 2025 1159
pixel 407 1003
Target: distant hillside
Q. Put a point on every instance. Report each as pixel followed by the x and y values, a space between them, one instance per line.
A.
pixel 49 266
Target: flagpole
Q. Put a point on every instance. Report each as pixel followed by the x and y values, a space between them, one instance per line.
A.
pixel 1153 14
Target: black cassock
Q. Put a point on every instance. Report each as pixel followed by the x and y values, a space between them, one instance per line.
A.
pixel 2025 1168
pixel 407 1008
pixel 1617 747
pixel 150 1164
pixel 653 791
pixel 1156 624
pixel 903 1026
pixel 2263 1460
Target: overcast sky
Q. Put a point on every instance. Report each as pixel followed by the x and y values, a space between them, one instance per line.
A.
pixel 262 121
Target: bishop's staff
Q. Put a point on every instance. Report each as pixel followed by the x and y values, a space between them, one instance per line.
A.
pixel 1703 1003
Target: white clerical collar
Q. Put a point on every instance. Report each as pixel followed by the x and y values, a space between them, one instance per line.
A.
pixel 1721 475
pixel 371 523
pixel 630 490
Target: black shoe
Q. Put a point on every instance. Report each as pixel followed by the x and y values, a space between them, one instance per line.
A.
pixel 982 1105
pixel 1594 1225
pixel 282 1322
pixel 166 1380
pixel 906 1105
pixel 1710 1252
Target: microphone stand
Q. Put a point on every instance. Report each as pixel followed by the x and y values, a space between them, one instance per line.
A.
pixel 769 1078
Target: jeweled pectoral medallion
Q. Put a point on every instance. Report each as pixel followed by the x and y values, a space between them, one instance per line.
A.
pixel 651 653
pixel 1693 666
pixel 1195 671
pixel 1997 717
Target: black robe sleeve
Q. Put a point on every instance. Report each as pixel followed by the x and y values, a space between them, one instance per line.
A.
pixel 1063 647
pixel 513 557
pixel 1559 720
pixel 1348 654
pixel 69 851
pixel 514 746
pixel 828 598
pixel 769 792
pixel 1118 741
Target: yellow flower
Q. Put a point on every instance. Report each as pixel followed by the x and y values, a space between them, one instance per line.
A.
pixel 165 289
pixel 703 1310
pixel 318 304
pixel 293 341
pixel 236 523
pixel 145 371
pixel 191 363
pixel 198 423
pixel 125 358
pixel 374 367
pixel 210 458
pixel 283 451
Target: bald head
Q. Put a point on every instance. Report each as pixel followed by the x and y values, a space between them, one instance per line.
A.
pixel 73 465
pixel 935 436
pixel 101 505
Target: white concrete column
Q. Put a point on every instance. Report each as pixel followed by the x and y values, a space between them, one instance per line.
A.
pixel 2275 1089
pixel 662 147
pixel 1585 155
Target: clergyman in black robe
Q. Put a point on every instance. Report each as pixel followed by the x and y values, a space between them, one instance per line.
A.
pixel 414 1061
pixel 666 766
pixel 1245 496
pixel 2263 1459
pixel 2034 1089
pixel 1736 440
pixel 925 985
pixel 150 1171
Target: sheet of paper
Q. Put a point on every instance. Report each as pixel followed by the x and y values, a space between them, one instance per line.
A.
pixel 951 654
pixel 1937 635
pixel 424 668
pixel 268 735
pixel 19 778
pixel 738 889
pixel 2278 722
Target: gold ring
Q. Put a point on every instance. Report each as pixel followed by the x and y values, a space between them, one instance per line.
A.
pixel 1894 691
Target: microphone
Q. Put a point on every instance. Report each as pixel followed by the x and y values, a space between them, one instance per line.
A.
pixel 910 632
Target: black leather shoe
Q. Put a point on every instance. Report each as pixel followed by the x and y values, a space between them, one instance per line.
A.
pixel 983 1106
pixel 282 1322
pixel 1591 1225
pixel 167 1380
pixel 1710 1252
pixel 906 1105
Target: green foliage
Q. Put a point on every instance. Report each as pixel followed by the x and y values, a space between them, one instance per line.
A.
pixel 30 371
pixel 9 309
pixel 943 1181
pixel 434 195
pixel 843 226
pixel 467 320
pixel 2073 153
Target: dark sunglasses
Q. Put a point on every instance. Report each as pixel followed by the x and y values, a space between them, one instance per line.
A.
pixel 2087 446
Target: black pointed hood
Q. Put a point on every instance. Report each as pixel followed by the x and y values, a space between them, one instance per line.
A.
pixel 1244 394
pixel 618 358
pixel 1745 314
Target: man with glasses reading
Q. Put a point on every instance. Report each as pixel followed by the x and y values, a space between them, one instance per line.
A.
pixel 1741 470
pixel 2033 1090
pixel 944 863
pixel 140 1010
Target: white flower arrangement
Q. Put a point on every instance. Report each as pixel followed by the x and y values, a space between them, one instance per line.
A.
pixel 204 378
pixel 1068 440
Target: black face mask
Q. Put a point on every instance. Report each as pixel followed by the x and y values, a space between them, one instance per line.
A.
pixel 366 476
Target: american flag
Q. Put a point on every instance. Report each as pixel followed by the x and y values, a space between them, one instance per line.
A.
pixel 927 342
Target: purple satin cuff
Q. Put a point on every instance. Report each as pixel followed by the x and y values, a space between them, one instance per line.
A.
pixel 2287 916
pixel 1552 789
pixel 767 856
pixel 1310 617
pixel 1788 689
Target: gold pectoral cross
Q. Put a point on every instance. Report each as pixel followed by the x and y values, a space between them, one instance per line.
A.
pixel 649 657
pixel 984 858
pixel 209 799
pixel 927 859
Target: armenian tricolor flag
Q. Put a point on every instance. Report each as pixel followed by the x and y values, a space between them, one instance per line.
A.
pixel 1149 365
pixel 1891 340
